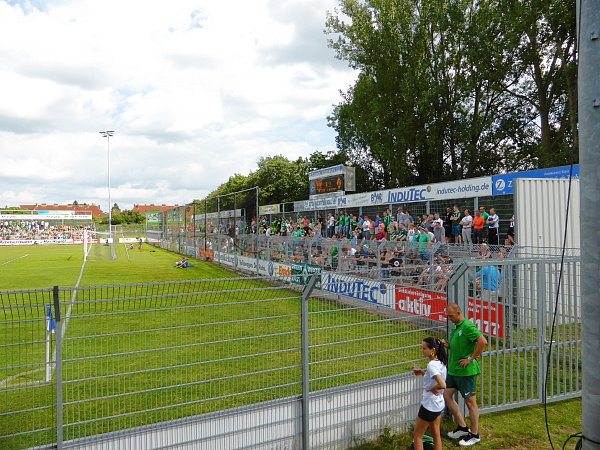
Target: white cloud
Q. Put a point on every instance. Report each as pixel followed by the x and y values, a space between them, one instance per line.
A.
pixel 195 90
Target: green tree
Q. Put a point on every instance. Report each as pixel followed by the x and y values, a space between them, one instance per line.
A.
pixel 437 95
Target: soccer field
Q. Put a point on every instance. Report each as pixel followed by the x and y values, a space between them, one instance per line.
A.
pixel 138 355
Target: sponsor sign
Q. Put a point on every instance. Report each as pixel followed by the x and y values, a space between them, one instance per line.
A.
pixel 488 317
pixel 359 288
pixel 503 184
pixel 269 209
pixel 327 172
pixel 130 240
pixel 419 302
pixel 154 217
pixel 474 187
pixel 57 212
pixel 41 242
pixel 300 272
pixel 45 217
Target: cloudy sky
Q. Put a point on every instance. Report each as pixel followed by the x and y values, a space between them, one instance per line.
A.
pixel 196 90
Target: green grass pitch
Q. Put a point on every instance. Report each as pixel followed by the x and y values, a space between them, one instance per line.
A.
pixel 125 348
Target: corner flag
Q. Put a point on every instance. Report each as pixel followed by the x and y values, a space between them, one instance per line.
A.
pixel 50 323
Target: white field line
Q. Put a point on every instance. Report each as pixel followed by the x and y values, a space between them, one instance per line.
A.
pixel 5 383
pixel 14 259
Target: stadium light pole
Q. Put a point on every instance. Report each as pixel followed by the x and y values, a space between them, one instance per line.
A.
pixel 108 135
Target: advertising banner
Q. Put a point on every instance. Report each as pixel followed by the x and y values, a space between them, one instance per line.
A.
pixel 269 209
pixel 359 288
pixel 300 272
pixel 154 217
pixel 40 242
pixel 503 184
pixel 488 317
pixel 57 212
pixel 328 171
pixel 45 217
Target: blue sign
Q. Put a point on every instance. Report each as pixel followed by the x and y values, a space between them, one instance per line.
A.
pixel 503 184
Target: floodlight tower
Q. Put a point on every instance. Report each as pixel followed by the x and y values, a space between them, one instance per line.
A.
pixel 108 135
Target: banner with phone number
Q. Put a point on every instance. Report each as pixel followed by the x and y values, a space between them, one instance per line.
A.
pixel 487 316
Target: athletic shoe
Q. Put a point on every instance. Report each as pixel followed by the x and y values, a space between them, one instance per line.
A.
pixel 459 433
pixel 470 440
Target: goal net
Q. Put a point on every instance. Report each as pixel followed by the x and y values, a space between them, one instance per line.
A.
pixel 98 246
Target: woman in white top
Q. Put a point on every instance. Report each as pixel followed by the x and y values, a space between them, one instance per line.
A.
pixel 434 383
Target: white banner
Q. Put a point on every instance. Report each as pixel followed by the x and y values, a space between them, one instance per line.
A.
pixel 38 242
pixel 45 217
pixel 130 240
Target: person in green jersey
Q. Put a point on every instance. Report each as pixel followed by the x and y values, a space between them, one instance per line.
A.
pixel 424 240
pixel 465 345
pixel 387 220
pixel 347 233
pixel 339 226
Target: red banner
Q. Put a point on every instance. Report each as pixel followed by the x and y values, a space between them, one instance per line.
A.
pixel 488 317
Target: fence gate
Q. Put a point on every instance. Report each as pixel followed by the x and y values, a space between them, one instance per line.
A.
pixel 515 303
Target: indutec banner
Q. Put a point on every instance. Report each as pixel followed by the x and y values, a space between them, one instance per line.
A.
pixel 358 288
pixel 449 190
pixel 488 317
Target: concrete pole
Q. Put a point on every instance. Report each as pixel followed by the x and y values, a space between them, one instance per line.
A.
pixel 589 162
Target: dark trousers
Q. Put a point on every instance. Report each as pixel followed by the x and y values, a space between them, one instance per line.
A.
pixel 478 236
pixel 494 236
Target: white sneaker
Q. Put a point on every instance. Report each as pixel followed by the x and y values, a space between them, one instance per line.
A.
pixel 458 434
pixel 469 440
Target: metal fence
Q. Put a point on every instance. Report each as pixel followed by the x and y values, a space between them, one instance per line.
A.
pixel 262 363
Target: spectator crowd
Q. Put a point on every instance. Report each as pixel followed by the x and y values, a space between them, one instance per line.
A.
pixel 39 230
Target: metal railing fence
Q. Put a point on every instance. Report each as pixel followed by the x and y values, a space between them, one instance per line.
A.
pixel 162 364
pixel 264 362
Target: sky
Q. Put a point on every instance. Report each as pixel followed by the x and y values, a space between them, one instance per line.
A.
pixel 195 90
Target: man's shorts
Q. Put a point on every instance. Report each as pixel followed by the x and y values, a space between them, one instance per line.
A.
pixel 428 416
pixel 467 386
pixel 455 230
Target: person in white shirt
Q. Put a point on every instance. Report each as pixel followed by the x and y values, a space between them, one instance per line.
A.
pixel 493 222
pixel 434 383
pixel 367 228
pixel 467 225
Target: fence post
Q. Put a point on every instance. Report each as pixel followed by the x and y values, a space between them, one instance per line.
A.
pixel 544 364
pixel 58 362
pixel 308 288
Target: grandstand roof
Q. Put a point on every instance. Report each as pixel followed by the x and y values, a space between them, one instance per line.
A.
pixel 148 208
pixel 81 208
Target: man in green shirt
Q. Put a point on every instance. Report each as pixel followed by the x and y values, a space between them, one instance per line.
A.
pixel 465 345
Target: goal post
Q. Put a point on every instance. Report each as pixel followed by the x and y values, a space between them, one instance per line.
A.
pixel 98 246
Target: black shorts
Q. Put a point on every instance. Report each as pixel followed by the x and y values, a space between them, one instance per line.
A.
pixel 426 415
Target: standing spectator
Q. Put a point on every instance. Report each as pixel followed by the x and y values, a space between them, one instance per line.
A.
pixel 466 343
pixel 438 229
pixel 432 405
pixel 400 217
pixel 448 224
pixel 493 222
pixel 330 225
pixel 485 215
pixel 478 222
pixel 510 235
pixel 424 243
pixel 455 218
pixel 387 220
pixel 466 223
pixel 366 228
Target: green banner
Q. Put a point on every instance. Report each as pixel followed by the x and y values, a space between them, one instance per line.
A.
pixel 301 272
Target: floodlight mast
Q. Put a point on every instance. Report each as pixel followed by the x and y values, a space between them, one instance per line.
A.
pixel 108 134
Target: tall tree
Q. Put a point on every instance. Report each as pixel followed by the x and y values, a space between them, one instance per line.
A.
pixel 437 96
